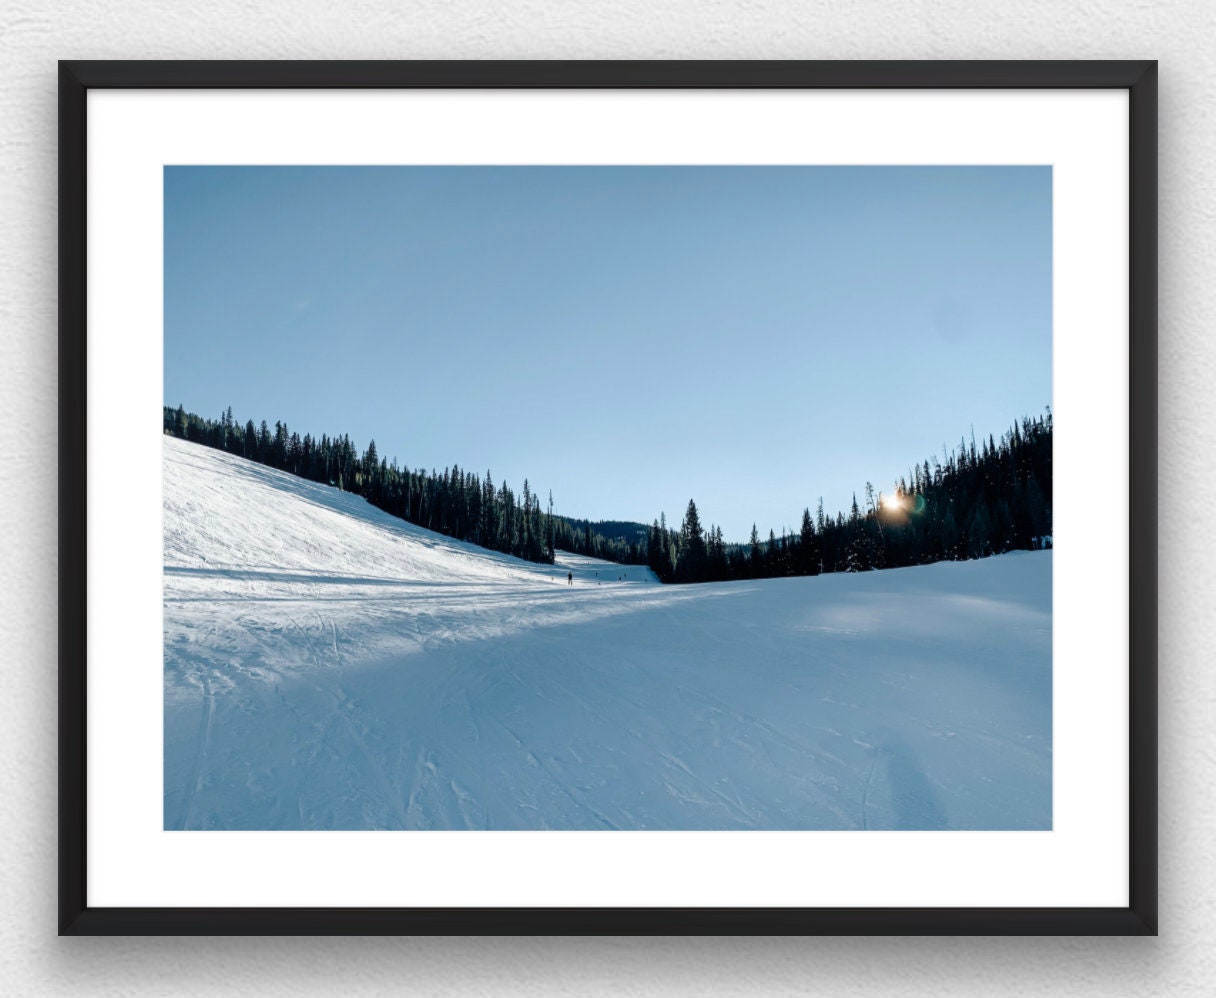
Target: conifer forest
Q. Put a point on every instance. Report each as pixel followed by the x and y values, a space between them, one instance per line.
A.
pixel 984 498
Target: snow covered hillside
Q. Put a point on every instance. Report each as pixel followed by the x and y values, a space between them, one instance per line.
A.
pixel 330 666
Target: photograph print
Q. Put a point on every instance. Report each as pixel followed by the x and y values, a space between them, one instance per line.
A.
pixel 620 498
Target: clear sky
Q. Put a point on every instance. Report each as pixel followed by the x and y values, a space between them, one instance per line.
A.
pixel 629 337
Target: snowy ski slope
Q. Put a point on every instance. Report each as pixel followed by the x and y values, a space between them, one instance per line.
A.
pixel 328 666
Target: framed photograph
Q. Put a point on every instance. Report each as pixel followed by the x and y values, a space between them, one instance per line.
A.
pixel 608 497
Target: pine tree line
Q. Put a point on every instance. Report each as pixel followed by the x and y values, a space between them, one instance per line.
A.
pixel 453 502
pixel 983 500
pixel 608 540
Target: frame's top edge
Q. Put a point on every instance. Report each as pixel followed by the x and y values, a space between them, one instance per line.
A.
pixel 640 74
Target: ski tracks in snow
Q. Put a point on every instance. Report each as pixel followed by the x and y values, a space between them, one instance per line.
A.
pixel 198 772
pixel 329 667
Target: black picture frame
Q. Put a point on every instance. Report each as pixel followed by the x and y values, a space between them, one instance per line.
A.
pixel 1138 78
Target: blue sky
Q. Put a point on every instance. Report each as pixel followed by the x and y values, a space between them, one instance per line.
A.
pixel 629 337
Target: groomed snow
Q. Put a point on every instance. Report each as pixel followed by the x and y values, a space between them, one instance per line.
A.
pixel 328 666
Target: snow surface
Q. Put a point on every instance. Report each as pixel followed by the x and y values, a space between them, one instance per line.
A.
pixel 328 666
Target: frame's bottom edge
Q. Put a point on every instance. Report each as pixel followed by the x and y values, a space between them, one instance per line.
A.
pixel 610 921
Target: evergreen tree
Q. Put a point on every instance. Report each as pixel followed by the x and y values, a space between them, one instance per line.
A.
pixel 691 566
pixel 264 443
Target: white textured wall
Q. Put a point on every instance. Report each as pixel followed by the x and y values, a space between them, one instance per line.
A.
pixel 34 34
